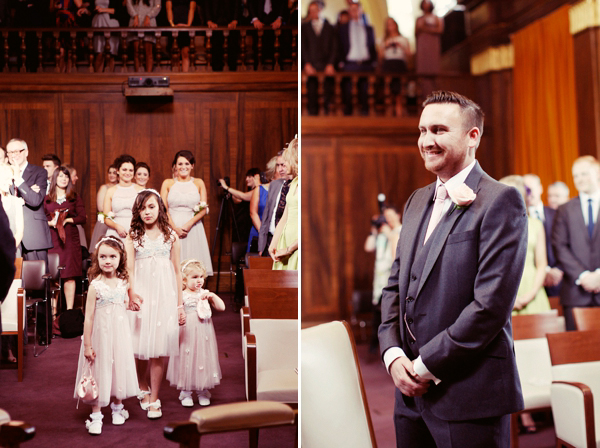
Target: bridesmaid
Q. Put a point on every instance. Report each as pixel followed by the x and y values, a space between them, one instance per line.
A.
pixel 181 195
pixel 142 174
pixel 62 196
pixel 100 228
pixel 119 199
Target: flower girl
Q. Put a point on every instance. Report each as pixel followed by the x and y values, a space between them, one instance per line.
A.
pixel 196 367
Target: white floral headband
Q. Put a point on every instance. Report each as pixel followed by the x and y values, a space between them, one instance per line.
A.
pixel 110 238
pixel 150 189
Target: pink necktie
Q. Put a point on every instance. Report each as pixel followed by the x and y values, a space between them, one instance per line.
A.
pixel 436 215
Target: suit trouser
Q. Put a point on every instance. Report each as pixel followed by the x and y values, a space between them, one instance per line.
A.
pixel 43 331
pixel 416 426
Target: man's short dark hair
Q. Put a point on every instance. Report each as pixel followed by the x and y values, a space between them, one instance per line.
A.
pixel 472 110
pixel 52 157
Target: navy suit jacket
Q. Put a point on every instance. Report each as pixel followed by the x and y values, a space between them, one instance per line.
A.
pixel 320 50
pixel 575 252
pixel 36 235
pixel 221 12
pixel 462 299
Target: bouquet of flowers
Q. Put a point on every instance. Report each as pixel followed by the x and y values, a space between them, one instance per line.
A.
pixel 199 207
pixel 102 216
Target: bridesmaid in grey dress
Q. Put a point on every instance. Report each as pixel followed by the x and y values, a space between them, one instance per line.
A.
pixel 143 14
pixel 104 17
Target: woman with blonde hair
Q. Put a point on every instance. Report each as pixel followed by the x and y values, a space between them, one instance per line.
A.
pixel 284 246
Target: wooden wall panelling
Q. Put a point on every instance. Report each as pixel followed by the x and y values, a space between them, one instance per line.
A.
pixel 586 45
pixel 322 243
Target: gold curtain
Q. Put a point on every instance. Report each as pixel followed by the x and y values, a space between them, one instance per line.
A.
pixel 546 140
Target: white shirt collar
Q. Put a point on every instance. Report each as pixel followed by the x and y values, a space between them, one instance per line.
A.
pixel 457 179
pixel 595 197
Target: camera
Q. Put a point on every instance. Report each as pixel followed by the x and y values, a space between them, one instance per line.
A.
pixel 378 221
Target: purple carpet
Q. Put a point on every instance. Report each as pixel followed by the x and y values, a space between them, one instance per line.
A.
pixel 44 399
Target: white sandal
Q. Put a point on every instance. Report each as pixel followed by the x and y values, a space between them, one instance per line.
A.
pixel 94 425
pixel 154 414
pixel 119 414
pixel 141 394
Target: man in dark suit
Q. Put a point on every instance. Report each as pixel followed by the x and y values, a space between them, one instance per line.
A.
pixel 446 335
pixel 576 238
pixel 537 209
pixel 319 51
pixel 266 12
pixel 275 201
pixel 219 14
pixel 30 182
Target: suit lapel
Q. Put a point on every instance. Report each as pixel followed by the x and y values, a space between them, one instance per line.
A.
pixel 444 227
pixel 578 217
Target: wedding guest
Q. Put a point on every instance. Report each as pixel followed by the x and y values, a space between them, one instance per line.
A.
pixel 50 162
pixel 224 13
pixel 100 227
pixel 30 182
pixel 74 179
pixel 7 260
pixel 104 14
pixel 119 199
pixel 428 31
pixel 266 13
pixel 3 157
pixel 394 53
pixel 558 194
pixel 284 246
pixel 186 200
pixel 180 13
pixel 142 174
pixel 64 210
pixel 143 14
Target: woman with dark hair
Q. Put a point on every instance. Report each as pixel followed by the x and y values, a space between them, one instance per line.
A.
pixel 100 227
pixel 186 201
pixel 428 31
pixel 143 14
pixel 65 210
pixel 142 174
pixel 394 53
pixel 119 199
pixel 180 13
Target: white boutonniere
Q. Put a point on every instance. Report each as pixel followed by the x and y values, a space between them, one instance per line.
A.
pixel 462 196
pixel 199 207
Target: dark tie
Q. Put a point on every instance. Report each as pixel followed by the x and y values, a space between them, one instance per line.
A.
pixel 281 206
pixel 590 219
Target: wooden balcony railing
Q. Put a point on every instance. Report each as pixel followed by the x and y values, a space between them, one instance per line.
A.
pixel 71 50
pixel 365 94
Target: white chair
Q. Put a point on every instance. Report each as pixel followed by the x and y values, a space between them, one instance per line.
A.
pixel 533 361
pixel 13 319
pixel 334 410
pixel 13 432
pixel 575 359
pixel 272 360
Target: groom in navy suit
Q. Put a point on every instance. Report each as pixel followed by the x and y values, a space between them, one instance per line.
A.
pixel 446 335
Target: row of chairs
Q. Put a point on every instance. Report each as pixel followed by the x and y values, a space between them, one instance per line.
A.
pixel 558 371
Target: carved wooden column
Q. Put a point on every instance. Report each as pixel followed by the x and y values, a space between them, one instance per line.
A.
pixel 157 57
pixel 38 35
pixel 124 56
pixel 175 53
pixel 5 51
pixel 225 50
pixel 241 66
pixel 276 53
pixel 208 46
pixel 23 50
pixel 192 54
pixel 73 55
pixel 90 36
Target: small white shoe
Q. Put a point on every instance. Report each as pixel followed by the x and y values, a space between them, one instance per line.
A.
pixel 186 399
pixel 141 395
pixel 203 397
pixel 94 427
pixel 154 414
pixel 119 414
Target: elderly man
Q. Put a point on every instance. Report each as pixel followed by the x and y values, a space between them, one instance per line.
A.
pixel 558 194
pixel 446 335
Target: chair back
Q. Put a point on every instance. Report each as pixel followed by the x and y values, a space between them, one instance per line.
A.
pixel 555 304
pixel 10 309
pixel 32 273
pixel 273 303
pixel 260 262
pixel 533 356
pixel 333 394
pixel 587 318
pixel 268 278
pixel 18 266
pixel 53 264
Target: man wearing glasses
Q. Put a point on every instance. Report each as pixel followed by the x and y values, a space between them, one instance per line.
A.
pixel 30 183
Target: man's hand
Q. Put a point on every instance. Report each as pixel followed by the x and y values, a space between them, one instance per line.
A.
pixel 553 277
pixel 591 282
pixel 211 24
pixel 309 69
pixel 232 24
pixel 35 188
pixel 405 379
pixel 276 24
pixel 329 70
pixel 258 24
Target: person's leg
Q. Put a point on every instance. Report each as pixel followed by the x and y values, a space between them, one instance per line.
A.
pixel 142 374
pixel 157 368
pixel 136 55
pixel 185 59
pixel 492 432
pixel 99 63
pixel 411 430
pixel 69 288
